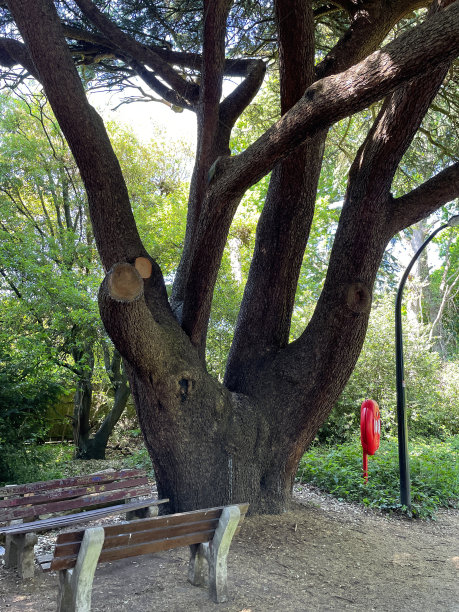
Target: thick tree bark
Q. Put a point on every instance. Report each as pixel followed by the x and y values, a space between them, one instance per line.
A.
pixel 213 444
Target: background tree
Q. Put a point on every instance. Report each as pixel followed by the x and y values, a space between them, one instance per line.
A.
pixel 47 255
pixel 48 266
pixel 210 442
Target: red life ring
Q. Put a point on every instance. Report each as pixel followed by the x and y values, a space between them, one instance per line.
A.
pixel 370 426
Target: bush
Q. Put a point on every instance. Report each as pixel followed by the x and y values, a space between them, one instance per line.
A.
pixel 433 466
pixel 432 387
pixel 23 403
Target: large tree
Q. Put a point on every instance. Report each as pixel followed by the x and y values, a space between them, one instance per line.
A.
pixel 214 443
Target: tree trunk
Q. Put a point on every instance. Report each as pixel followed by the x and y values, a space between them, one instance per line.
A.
pixel 219 447
pixel 81 416
pixel 94 447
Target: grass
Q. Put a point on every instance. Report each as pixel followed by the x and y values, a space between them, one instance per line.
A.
pixel 433 468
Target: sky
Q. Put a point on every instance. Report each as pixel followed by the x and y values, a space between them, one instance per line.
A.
pixel 143 116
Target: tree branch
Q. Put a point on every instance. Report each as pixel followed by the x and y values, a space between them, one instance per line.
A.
pixel 285 221
pixel 140 53
pixel 210 143
pixel 13 52
pixel 237 101
pixel 126 316
pixel 425 199
pixel 416 52
pixel 325 102
pixel 371 20
pixel 162 90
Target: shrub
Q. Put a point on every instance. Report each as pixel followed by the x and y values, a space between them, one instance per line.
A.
pixel 23 403
pixel 433 466
pixel 140 459
pixel 432 388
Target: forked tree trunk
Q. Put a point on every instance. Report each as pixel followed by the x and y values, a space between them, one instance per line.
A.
pixel 89 444
pixel 202 461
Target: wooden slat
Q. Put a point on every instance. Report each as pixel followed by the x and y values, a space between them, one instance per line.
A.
pixel 154 522
pixel 88 479
pixel 71 492
pixel 71 504
pixel 80 517
pixel 144 536
pixel 44 561
pixel 113 554
pixel 144 524
pixel 72 547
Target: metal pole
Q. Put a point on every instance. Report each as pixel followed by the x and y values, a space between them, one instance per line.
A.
pixel 403 457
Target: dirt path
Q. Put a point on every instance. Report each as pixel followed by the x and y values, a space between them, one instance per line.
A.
pixel 322 556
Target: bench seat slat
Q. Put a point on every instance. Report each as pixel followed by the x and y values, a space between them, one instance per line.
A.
pixel 71 492
pixel 88 479
pixel 70 504
pixel 80 517
pixel 44 561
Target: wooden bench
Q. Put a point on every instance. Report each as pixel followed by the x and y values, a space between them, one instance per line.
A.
pixel 208 533
pixel 101 494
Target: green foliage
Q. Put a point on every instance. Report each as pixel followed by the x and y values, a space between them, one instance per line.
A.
pixel 49 268
pixel 49 274
pixel 25 393
pixel 431 387
pixel 155 174
pixel 140 460
pixel 433 465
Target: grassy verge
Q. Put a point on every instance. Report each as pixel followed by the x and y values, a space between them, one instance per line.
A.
pixel 433 467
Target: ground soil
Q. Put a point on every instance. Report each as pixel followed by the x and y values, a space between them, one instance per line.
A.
pixel 323 555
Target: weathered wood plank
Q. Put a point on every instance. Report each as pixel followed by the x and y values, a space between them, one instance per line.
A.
pixel 71 504
pixel 71 492
pixel 156 522
pixel 67 549
pixel 113 554
pixel 78 518
pixel 15 490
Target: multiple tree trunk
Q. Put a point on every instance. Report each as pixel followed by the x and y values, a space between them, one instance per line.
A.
pixel 241 441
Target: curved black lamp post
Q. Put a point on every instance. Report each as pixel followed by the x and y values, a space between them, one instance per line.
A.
pixel 405 492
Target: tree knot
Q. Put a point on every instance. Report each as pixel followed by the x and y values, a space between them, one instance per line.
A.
pixel 186 386
pixel 358 297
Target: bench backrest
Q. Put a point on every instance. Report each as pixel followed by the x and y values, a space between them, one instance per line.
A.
pixel 144 536
pixel 53 496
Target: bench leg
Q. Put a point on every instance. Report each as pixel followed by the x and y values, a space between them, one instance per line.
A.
pixel 198 564
pixel 75 585
pixel 216 553
pixel 11 551
pixel 19 553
